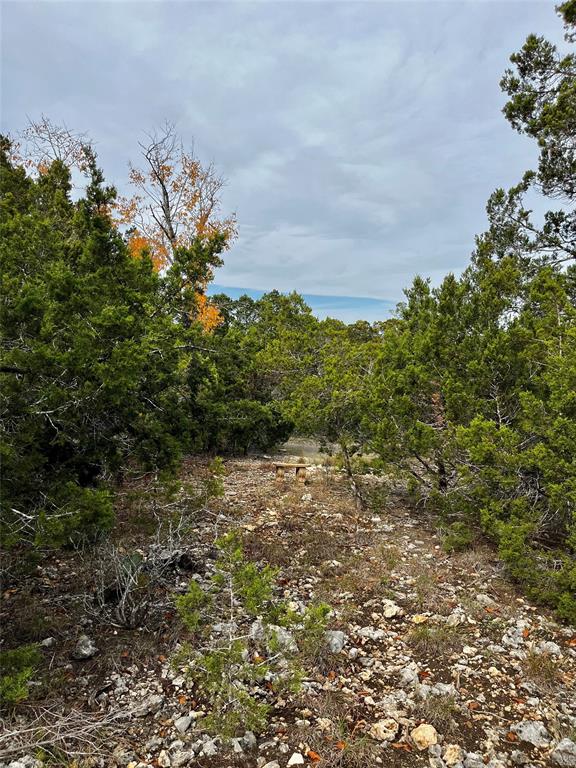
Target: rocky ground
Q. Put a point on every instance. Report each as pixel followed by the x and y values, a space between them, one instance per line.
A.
pixel 429 658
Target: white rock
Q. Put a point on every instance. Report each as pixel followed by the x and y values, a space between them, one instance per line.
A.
pixel 237 746
pixel 209 749
pixel 453 754
pixel 532 732
pixel 564 754
pixel 372 633
pixel 424 736
pixel 272 764
pixel 474 760
pixel 183 723
pixel 390 609
pixel 384 730
pixel 283 638
pixel 149 706
pixel 164 759
pixel 485 601
pixel 335 640
pixel 296 759
pixel 182 757
pixel 408 677
pixel 85 648
pixel 547 646
pixel 249 740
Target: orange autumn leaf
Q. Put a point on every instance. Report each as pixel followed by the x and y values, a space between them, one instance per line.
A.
pixel 137 244
pixel 402 745
pixel 340 745
pixel 525 632
pixel 207 314
pixel 511 736
pixel 314 756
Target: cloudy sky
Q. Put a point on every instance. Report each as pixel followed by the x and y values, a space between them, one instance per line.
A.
pixel 360 140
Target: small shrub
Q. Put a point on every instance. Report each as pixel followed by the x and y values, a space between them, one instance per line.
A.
pixel 73 516
pixel 312 631
pixel 238 653
pixel 17 668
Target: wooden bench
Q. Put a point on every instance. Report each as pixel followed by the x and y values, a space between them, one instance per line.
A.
pixel 281 467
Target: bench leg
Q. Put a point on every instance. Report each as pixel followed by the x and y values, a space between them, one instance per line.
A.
pixel 301 475
pixel 279 474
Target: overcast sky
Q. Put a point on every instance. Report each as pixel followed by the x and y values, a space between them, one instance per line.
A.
pixel 360 140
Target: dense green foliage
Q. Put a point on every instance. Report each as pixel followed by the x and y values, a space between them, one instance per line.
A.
pixel 102 368
pixel 469 393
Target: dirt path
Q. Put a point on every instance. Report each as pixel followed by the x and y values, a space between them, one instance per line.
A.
pixel 430 659
pixel 429 638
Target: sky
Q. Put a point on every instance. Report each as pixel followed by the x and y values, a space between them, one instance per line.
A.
pixel 360 140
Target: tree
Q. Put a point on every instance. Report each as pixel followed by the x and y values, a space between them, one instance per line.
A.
pixel 174 215
pixel 43 142
pixel 91 371
pixel 475 380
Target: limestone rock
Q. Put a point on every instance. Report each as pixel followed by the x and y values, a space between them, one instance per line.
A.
pixel 474 760
pixel 149 706
pixel 335 640
pixel 85 648
pixel 390 609
pixel 532 732
pixel 424 736
pixel 183 723
pixel 453 754
pixel 564 754
pixel 384 730
pixel 164 759
pixel 284 639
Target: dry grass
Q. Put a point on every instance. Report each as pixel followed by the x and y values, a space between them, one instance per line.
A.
pixel 340 745
pixel 542 669
pixel 390 556
pixel 438 639
pixel 439 711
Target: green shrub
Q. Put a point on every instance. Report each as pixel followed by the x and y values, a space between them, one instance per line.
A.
pixel 17 668
pixel 236 652
pixel 457 537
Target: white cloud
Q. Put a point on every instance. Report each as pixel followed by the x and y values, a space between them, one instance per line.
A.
pixel 360 140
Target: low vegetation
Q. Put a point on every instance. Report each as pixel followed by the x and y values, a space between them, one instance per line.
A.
pixel 243 634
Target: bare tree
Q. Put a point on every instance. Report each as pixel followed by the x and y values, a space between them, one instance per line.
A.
pixel 43 141
pixel 177 199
